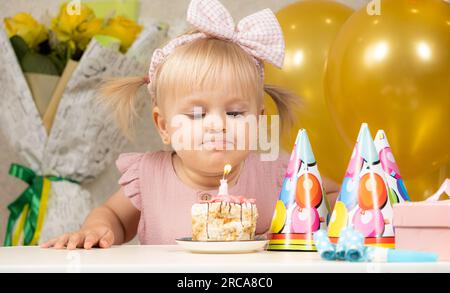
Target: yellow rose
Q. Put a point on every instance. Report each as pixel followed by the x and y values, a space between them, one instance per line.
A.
pixel 25 26
pixel 76 27
pixel 123 29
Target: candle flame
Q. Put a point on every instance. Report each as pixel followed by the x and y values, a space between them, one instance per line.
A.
pixel 226 170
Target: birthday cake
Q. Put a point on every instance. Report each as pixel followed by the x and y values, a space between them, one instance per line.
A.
pixel 224 218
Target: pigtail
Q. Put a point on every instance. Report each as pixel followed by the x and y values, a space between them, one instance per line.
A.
pixel 287 103
pixel 119 96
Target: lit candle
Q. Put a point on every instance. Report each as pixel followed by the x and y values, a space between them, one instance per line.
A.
pixel 223 189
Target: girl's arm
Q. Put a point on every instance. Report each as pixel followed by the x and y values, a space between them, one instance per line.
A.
pixel 114 222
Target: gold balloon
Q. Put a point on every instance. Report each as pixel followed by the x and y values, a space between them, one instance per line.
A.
pixel 424 185
pixel 393 71
pixel 309 28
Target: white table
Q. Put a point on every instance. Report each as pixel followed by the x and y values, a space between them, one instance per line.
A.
pixel 171 258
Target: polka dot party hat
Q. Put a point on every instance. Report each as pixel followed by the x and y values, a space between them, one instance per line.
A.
pixel 371 185
pixel 302 208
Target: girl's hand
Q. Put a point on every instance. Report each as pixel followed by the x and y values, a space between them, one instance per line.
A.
pixel 114 222
pixel 100 236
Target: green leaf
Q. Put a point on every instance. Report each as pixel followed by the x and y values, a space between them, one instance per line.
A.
pixel 37 63
pixel 20 46
pixel 60 64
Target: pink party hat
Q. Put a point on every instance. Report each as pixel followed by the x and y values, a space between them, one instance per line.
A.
pixel 302 208
pixel 366 196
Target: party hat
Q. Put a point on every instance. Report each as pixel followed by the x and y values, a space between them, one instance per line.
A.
pixel 396 187
pixel 364 202
pixel 302 207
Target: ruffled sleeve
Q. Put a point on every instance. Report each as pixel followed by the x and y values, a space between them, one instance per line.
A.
pixel 129 165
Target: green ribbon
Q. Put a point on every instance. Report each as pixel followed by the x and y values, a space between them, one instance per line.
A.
pixel 32 197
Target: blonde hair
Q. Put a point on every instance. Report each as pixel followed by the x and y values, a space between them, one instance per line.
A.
pixel 205 64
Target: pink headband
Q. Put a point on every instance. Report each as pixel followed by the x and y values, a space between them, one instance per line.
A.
pixel 259 34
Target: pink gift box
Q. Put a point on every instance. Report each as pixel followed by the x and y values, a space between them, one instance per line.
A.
pixel 424 226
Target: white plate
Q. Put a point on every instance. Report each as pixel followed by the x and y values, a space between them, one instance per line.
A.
pixel 244 246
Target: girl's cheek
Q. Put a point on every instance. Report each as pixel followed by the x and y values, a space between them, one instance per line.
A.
pixel 186 134
pixel 179 131
pixel 243 133
pixel 197 132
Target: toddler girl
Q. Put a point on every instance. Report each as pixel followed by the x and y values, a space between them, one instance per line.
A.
pixel 203 85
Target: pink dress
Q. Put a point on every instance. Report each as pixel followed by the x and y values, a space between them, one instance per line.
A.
pixel 150 182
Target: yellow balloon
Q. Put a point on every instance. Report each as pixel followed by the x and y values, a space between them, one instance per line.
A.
pixel 424 185
pixel 393 71
pixel 279 218
pixel 309 28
